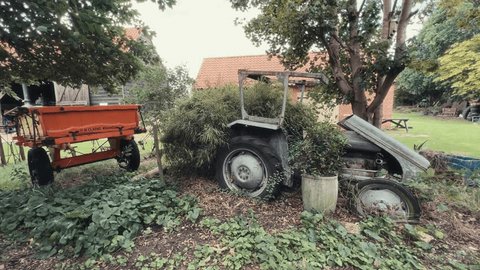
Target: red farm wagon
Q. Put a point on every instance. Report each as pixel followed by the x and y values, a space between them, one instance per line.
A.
pixel 58 128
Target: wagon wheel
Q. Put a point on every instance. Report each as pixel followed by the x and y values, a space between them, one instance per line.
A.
pixel 41 171
pixel 129 158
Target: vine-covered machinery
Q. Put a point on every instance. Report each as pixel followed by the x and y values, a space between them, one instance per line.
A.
pixel 376 164
pixel 59 128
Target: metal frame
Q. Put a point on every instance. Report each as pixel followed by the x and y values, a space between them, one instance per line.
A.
pixel 282 76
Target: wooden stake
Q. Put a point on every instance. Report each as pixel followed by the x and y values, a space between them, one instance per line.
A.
pixel 2 153
pixel 22 152
pixel 158 154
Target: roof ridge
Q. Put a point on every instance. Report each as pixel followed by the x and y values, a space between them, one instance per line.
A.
pixel 238 56
pixel 256 55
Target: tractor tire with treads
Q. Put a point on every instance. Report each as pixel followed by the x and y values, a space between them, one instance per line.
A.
pixel 41 171
pixel 129 158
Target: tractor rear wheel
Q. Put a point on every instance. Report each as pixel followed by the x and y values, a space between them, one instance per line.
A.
pixel 249 166
pixel 41 171
pixel 129 158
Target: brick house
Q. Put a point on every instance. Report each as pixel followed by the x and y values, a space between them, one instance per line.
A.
pixel 220 71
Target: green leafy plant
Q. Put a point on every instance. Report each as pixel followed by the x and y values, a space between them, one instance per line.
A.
pixel 97 218
pixel 315 244
pixel 20 175
pixel 320 152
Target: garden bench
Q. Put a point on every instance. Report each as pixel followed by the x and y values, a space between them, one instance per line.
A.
pixel 398 122
pixel 449 112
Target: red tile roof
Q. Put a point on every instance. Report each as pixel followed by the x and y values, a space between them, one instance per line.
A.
pixel 133 32
pixel 219 71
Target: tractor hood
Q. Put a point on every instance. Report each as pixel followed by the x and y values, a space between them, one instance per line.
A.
pixel 412 163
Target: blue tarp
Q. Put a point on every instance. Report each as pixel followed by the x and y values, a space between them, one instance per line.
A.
pixel 468 164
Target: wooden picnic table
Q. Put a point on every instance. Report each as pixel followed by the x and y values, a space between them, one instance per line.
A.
pixel 398 122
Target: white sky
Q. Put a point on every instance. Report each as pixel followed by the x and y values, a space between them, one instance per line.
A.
pixel 196 29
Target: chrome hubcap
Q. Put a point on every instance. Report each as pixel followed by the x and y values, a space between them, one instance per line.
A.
pixel 382 201
pixel 245 170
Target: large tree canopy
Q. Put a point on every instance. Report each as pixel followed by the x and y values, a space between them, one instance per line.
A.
pixel 70 42
pixel 449 23
pixel 460 66
pixel 356 36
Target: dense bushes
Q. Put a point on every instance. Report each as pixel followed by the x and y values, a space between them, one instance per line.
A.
pixel 197 127
pixel 320 152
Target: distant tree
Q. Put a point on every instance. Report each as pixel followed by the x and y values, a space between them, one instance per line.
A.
pixel 460 67
pixel 157 88
pixel 365 42
pixel 70 42
pixel 414 87
pixel 450 22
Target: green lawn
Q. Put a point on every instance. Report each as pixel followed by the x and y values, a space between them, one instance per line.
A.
pixel 454 136
pixel 145 144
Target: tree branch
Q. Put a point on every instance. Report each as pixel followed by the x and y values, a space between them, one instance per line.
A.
pixel 361 7
pixel 387 9
pixel 333 51
pixel 354 46
pixel 393 8
pixel 400 51
pixel 382 91
pixel 412 14
pixel 340 42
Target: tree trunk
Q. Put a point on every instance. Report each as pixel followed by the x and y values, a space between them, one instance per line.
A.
pixel 378 116
pixel 359 105
pixel 385 82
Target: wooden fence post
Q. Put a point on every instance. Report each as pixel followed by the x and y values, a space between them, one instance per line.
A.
pixel 2 153
pixel 158 154
pixel 22 152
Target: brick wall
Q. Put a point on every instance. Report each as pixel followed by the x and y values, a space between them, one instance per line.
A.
pixel 345 110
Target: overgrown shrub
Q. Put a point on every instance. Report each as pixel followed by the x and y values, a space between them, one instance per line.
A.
pixel 197 127
pixel 320 152
pixel 96 218
pixel 447 189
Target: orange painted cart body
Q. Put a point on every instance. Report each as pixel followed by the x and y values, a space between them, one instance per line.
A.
pixel 57 127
